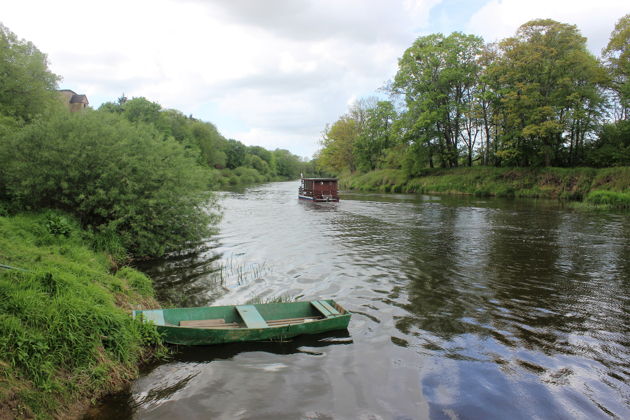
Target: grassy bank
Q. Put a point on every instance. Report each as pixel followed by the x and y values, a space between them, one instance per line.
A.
pixel 66 336
pixel 607 188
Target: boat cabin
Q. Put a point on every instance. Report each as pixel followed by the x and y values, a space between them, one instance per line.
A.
pixel 318 189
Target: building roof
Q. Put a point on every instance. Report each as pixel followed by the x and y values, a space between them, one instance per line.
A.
pixel 319 179
pixel 79 99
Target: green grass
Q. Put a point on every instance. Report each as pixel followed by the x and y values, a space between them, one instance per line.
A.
pixel 609 199
pixel 576 184
pixel 65 329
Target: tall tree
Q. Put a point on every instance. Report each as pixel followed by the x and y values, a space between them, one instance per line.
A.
pixel 435 75
pixel 27 86
pixel 617 56
pixel 376 135
pixel 549 90
pixel 338 145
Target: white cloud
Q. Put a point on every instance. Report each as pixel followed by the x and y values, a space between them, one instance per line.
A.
pixel 499 19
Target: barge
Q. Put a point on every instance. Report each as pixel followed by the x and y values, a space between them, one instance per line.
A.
pixel 318 189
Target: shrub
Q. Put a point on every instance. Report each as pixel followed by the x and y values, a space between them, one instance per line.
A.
pixel 113 175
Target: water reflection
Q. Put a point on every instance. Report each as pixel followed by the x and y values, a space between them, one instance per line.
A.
pixel 463 308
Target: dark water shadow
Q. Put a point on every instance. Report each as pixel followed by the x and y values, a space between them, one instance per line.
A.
pixel 300 344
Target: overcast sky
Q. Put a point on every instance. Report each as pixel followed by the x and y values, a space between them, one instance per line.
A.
pixel 271 73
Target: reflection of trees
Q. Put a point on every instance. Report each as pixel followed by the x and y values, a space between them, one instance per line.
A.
pixel 552 277
pixel 443 255
pixel 525 276
pixel 188 278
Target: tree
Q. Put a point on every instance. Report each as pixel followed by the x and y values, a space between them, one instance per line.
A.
pixel 338 145
pixel 375 135
pixel 612 146
pixel 235 152
pixel 435 76
pixel 548 84
pixel 141 110
pixel 27 87
pixel 210 142
pixel 617 56
pixel 287 164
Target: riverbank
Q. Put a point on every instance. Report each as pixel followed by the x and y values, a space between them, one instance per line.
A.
pixel 66 335
pixel 603 188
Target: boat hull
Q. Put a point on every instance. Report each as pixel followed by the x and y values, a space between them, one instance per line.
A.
pixel 319 200
pixel 167 323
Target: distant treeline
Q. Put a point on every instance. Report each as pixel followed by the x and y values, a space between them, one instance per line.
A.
pixel 244 164
pixel 137 176
pixel 536 99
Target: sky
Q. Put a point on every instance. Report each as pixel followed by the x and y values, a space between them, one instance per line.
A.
pixel 270 73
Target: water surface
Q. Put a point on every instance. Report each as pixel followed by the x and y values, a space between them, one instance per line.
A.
pixel 464 308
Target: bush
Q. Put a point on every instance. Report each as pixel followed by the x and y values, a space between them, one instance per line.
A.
pixel 113 175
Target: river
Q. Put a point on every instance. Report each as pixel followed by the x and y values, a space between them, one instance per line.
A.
pixel 463 308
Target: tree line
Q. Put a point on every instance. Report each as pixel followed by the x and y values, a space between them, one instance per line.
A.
pixel 137 176
pixel 212 148
pixel 538 98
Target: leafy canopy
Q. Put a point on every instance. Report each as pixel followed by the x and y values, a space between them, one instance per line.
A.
pixel 27 87
pixel 114 175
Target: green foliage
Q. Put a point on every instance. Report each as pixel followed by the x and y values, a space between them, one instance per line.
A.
pixel 338 145
pixel 235 152
pixel 612 147
pixel 203 141
pixel 287 165
pixel 113 175
pixel 141 110
pixel 58 224
pixel 376 136
pixel 384 180
pixel 549 85
pixel 27 87
pixel 612 199
pixel 137 281
pixel 617 56
pixel 59 322
pixel 436 75
pixel 535 99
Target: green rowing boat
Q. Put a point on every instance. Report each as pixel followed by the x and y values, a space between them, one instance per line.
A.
pixel 258 322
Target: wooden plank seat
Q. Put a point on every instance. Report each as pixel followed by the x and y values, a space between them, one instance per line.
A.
pixel 325 308
pixel 251 316
pixel 330 308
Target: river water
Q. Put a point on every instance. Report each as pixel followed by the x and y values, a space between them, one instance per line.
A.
pixel 463 308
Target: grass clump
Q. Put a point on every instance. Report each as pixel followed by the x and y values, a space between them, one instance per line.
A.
pixel 65 330
pixel 609 199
